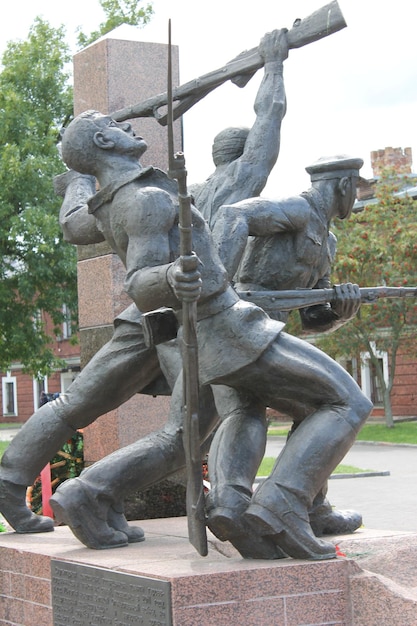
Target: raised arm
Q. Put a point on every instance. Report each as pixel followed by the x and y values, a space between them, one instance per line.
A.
pixel 259 217
pixel 246 176
pixel 263 142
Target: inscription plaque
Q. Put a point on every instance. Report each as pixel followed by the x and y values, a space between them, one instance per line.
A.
pixel 90 596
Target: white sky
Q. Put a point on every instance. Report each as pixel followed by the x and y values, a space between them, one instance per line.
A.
pixel 352 92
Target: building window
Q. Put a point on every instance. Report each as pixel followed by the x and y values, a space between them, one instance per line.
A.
pixel 376 391
pixel 40 387
pixel 9 394
pixel 66 325
pixel 351 366
pixel 370 383
pixel 67 378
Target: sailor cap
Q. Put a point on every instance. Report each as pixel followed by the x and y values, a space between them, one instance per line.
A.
pixel 334 167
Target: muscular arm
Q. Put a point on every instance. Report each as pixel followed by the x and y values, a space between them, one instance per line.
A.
pixel 259 217
pixel 78 226
pixel 263 142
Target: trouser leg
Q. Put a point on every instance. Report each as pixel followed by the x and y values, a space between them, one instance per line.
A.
pixel 293 369
pixel 237 447
pixel 235 453
pixel 34 446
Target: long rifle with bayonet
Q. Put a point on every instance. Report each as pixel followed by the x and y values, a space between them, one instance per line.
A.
pixel 321 23
pixel 292 299
pixel 191 437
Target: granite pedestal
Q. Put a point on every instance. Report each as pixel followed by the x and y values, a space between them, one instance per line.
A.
pixel 52 579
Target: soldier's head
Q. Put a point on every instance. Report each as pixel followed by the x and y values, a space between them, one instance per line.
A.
pixel 229 144
pixel 92 136
pixel 340 173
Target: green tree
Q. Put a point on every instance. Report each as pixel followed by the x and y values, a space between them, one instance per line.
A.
pixel 38 272
pixel 38 269
pixel 378 246
pixel 118 12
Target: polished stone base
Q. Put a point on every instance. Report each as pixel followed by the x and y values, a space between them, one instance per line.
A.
pixel 374 585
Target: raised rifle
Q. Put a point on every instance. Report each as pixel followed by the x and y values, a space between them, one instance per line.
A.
pixel 321 23
pixel 191 436
pixel 287 300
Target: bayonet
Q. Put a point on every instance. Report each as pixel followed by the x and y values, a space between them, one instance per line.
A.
pixel 191 436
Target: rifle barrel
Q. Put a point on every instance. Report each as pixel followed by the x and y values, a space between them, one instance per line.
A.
pixel 288 300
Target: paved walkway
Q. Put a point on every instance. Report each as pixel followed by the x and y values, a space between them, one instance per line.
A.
pixel 7 434
pixel 386 502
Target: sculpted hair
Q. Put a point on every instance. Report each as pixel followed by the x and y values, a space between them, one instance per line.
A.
pixel 78 149
pixel 229 144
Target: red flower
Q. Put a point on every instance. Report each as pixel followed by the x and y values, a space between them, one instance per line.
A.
pixel 339 552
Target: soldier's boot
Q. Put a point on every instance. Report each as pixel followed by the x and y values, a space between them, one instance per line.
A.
pixel 117 520
pixel 325 520
pixel 27 454
pixel 235 453
pixel 91 503
pixel 75 505
pixel 280 506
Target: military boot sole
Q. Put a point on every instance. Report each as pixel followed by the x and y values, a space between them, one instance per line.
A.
pixel 226 525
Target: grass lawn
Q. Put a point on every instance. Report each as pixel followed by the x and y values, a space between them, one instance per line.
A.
pixel 3 446
pixel 267 464
pixel 402 432
pixel 9 425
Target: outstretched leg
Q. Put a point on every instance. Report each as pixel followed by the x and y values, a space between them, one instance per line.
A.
pixel 120 369
pixel 84 503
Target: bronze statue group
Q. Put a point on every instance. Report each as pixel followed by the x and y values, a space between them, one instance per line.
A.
pixel 247 362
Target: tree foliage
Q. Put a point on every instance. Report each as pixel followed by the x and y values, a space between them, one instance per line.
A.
pixel 378 246
pixel 38 272
pixel 38 269
pixel 118 12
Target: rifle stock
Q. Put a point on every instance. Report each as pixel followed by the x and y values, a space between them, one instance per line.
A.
pixel 302 298
pixel 321 23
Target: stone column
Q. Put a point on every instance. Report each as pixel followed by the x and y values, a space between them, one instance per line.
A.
pixel 110 75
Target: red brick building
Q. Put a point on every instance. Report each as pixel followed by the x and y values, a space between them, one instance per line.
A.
pixel 20 393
